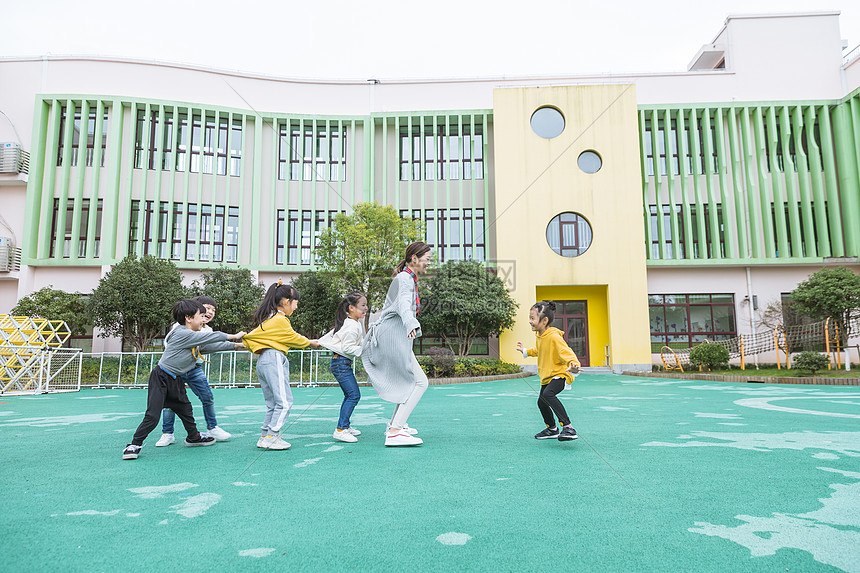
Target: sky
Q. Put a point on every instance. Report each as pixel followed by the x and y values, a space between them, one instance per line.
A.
pixel 341 39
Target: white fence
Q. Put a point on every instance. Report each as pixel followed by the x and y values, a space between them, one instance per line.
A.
pixel 233 369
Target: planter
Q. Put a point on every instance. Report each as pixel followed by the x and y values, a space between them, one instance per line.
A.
pixel 749 378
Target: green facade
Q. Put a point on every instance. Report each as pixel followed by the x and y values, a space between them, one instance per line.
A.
pixel 751 183
pixel 739 183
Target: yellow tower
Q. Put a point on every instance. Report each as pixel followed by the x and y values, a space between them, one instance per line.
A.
pixel 569 218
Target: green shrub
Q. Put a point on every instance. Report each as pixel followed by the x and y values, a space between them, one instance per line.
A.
pixel 709 355
pixel 467 367
pixel 442 362
pixel 811 361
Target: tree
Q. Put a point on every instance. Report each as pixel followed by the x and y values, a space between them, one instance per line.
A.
pixel 809 360
pixel 830 293
pixel 318 300
pixel 54 304
pixel 709 355
pixel 363 248
pixel 236 293
pixel 462 301
pixel 134 300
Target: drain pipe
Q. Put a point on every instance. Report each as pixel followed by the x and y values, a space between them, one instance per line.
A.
pixel 750 308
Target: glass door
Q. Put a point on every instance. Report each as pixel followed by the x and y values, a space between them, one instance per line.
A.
pixel 571 317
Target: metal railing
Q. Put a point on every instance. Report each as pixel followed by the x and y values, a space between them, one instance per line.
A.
pixel 232 369
pixel 851 56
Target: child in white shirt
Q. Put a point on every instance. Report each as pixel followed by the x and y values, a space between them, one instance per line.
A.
pixel 344 340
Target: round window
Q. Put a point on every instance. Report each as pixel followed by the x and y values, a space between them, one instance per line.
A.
pixel 569 234
pixel 589 161
pixel 547 122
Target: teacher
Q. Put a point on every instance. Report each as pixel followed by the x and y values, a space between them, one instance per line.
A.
pixel 387 353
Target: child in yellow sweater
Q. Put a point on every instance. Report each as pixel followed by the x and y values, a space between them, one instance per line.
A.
pixel 271 339
pixel 557 364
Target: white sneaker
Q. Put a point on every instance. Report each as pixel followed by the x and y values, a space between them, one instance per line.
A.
pixel 219 434
pixel 165 440
pixel 353 431
pixel 344 436
pixel 278 444
pixel 264 441
pixel 406 429
pixel 402 439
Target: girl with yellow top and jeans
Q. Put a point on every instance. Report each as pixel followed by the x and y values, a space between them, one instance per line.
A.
pixel 557 365
pixel 271 339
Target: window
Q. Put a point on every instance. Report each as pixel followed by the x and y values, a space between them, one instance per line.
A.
pixel 208 140
pixel 775 141
pixel 480 344
pixel 441 154
pixel 569 234
pixel 710 239
pixel 199 232
pixel 680 320
pixel 83 228
pixel 294 236
pixel 668 251
pixel 449 232
pixel 307 152
pixel 668 143
pixel 547 122
pixel 589 162
pixel 807 244
pixel 76 137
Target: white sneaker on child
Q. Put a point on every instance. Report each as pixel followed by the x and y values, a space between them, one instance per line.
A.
pixel 219 434
pixel 344 436
pixel 405 428
pixel 278 444
pixel 165 440
pixel 353 431
pixel 264 441
pixel 401 438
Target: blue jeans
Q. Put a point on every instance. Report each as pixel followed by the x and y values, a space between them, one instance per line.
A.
pixel 196 380
pixel 341 367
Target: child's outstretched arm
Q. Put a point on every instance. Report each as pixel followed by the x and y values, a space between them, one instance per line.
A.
pixel 526 351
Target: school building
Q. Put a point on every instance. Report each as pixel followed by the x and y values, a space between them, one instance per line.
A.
pixel 658 208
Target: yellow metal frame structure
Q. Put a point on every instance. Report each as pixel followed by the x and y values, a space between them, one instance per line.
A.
pixel 836 349
pixel 776 332
pixel 23 340
pixel 677 365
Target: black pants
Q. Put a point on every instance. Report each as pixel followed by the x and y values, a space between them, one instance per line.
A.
pixel 549 403
pixel 165 391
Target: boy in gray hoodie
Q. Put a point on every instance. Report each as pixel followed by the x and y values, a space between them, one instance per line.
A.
pixel 166 387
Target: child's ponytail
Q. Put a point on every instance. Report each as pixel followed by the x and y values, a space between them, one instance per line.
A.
pixel 273 297
pixel 351 299
pixel 545 309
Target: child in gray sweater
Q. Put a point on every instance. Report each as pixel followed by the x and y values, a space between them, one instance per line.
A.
pixel 166 389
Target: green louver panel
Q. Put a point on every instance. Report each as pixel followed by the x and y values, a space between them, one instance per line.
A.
pixel 751 183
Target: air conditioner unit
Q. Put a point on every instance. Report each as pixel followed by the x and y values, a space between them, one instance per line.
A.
pixel 10 256
pixel 13 159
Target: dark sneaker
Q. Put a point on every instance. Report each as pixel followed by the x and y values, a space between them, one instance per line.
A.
pixel 548 433
pixel 130 452
pixel 567 434
pixel 200 440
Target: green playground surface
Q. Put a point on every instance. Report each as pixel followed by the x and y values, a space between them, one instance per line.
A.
pixel 668 475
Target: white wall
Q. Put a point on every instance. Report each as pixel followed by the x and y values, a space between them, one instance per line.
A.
pixel 768 284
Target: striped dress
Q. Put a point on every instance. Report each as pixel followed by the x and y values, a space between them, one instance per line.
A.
pixel 386 353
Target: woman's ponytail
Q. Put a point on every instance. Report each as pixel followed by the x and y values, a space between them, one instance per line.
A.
pixel 416 249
